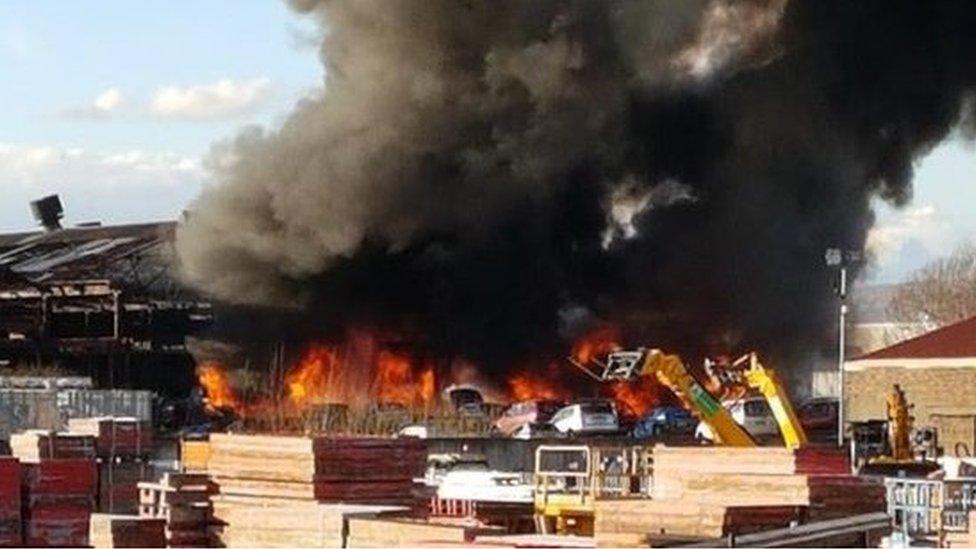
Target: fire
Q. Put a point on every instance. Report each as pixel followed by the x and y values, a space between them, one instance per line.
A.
pixel 397 381
pixel 596 344
pixel 317 377
pixel 216 385
pixel 530 385
pixel 638 396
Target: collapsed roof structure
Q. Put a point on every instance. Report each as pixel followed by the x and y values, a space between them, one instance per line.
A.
pixel 98 300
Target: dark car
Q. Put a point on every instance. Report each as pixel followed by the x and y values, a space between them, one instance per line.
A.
pixel 662 420
pixel 819 414
pixel 523 413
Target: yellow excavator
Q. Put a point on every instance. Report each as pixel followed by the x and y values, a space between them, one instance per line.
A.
pixel 564 498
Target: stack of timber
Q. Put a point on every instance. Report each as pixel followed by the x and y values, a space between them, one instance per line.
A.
pixel 406 532
pixel 126 531
pixel 123 445
pixel 57 502
pixel 116 436
pixel 10 520
pixel 639 522
pixel 329 470
pixel 195 456
pixel 184 502
pixel 37 444
pixel 817 479
pixel 280 523
pixel 707 493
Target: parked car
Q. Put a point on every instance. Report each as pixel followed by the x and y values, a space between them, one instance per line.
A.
pixel 465 399
pixel 819 414
pixel 537 430
pixel 753 413
pixel 523 413
pixel 590 416
pixel 664 419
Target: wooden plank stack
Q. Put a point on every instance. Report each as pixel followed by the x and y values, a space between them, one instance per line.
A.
pixel 126 531
pixel 123 446
pixel 280 523
pixel 10 519
pixel 711 492
pixel 183 501
pixel 118 436
pixel 37 444
pixel 195 455
pixel 817 479
pixel 330 470
pixel 280 491
pixel 58 495
pixel 636 522
pixel 405 532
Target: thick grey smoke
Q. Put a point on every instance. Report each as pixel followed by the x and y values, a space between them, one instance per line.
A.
pixel 474 171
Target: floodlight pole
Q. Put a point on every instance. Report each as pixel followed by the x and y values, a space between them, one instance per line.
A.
pixel 841 332
pixel 839 258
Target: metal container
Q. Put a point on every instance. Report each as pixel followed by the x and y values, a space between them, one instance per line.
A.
pixel 45 382
pixel 22 409
pixel 74 403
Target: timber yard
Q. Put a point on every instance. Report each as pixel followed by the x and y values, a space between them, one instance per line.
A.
pixel 488 274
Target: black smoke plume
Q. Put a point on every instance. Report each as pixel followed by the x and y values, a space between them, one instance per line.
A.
pixel 492 176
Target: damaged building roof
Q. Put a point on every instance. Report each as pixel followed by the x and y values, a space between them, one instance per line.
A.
pixel 137 255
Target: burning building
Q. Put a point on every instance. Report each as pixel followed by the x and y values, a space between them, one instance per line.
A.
pixel 490 180
pixel 102 301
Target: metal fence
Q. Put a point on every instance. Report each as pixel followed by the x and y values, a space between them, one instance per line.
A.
pixel 22 409
pixel 930 507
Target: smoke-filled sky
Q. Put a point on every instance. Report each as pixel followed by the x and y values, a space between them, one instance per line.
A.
pixel 512 168
pixel 496 175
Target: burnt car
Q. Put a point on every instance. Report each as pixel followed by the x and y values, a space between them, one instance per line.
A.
pixel 526 412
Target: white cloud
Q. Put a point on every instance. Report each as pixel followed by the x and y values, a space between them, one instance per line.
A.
pixel 126 186
pixel 221 99
pixel 903 240
pixel 105 105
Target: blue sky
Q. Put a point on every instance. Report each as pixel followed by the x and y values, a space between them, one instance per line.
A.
pixel 113 105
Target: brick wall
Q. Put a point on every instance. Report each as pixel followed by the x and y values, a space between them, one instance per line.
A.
pixel 931 390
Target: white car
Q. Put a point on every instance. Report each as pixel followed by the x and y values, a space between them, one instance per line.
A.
pixel 596 416
pixel 753 413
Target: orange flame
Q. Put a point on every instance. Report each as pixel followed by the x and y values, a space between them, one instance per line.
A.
pixel 317 378
pixel 216 385
pixel 596 344
pixel 531 385
pixel 396 381
pixel 637 397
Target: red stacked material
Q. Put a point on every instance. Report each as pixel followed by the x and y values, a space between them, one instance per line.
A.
pixel 10 521
pixel 34 445
pixel 116 436
pixel 57 502
pixel 127 531
pixel 118 486
pixel 183 501
pixel 123 445
pixel 368 470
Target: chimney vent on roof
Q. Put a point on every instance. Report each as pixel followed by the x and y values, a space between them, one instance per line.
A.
pixel 48 212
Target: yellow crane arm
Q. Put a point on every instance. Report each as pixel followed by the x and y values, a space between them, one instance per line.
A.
pixel 767 383
pixel 671 372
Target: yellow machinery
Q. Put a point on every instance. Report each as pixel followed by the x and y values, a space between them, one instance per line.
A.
pixel 565 487
pixel 568 478
pixel 748 373
pixel 672 373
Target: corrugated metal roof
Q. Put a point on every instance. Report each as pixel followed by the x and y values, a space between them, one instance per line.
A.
pixel 113 252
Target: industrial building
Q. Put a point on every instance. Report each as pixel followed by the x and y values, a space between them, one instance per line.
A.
pixel 101 301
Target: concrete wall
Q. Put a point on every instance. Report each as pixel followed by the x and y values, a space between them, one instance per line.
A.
pixel 936 390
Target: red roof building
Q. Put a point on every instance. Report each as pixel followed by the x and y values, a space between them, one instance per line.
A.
pixel 937 371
